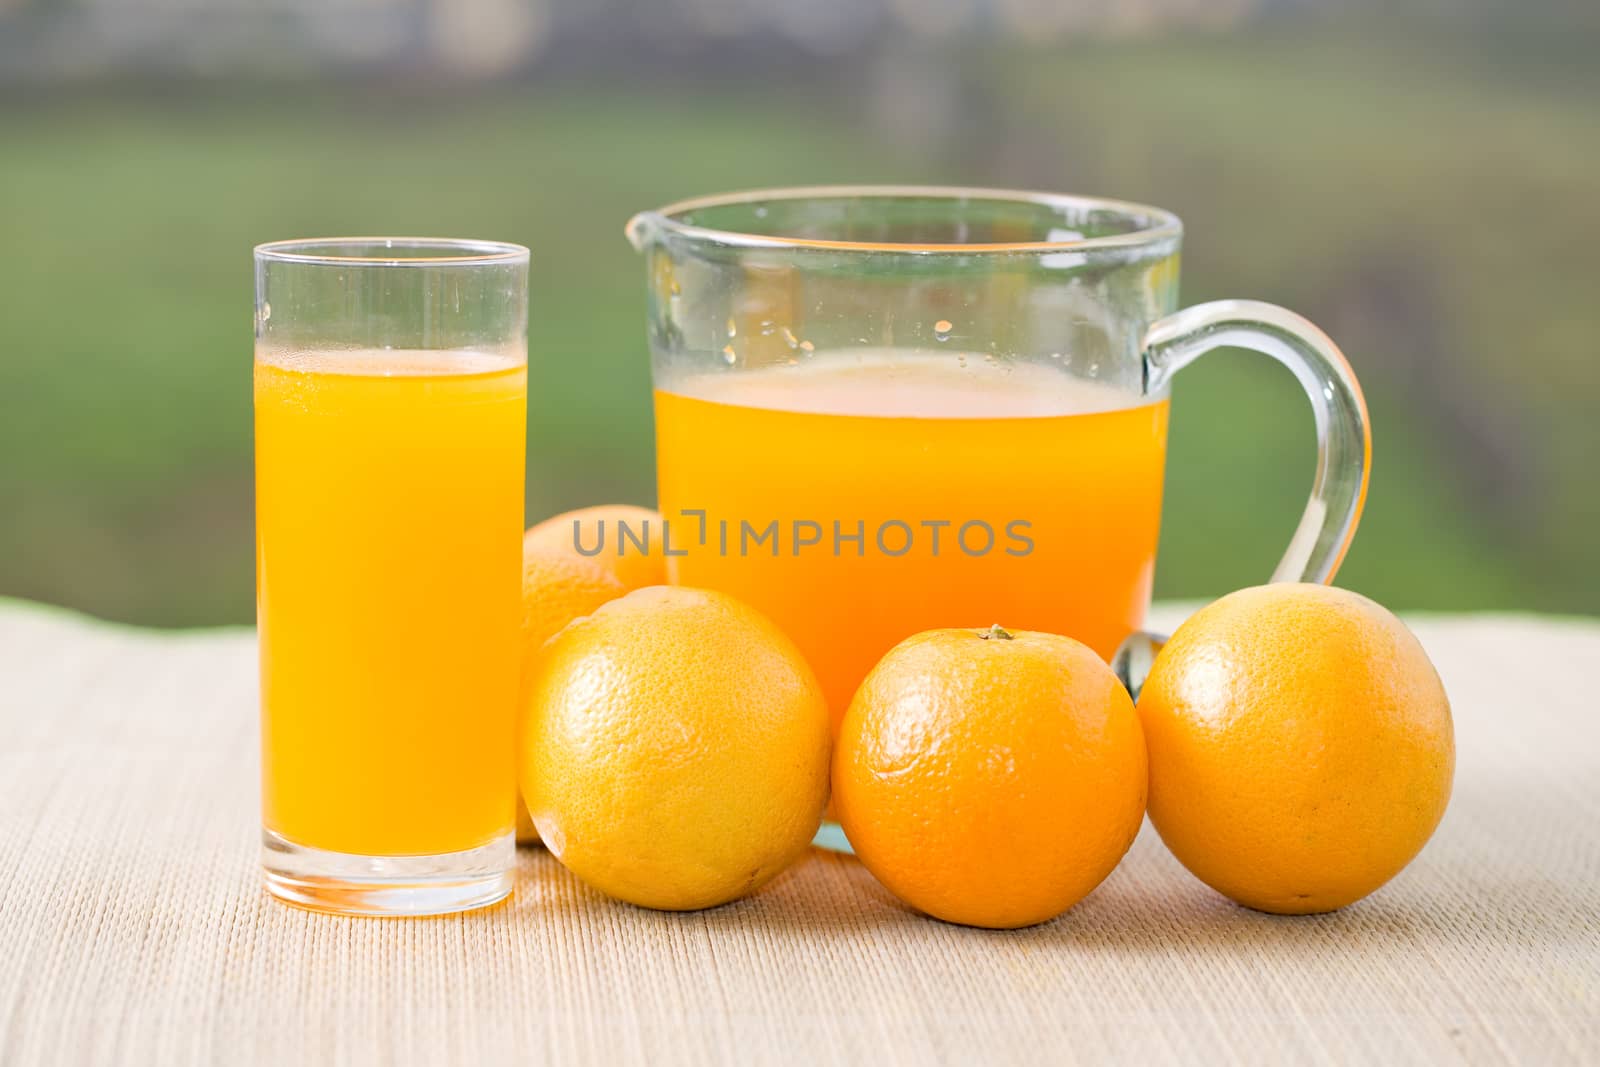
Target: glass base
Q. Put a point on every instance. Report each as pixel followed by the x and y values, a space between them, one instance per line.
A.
pixel 347 884
pixel 831 837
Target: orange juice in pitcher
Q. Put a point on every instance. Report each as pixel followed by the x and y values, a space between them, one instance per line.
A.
pixel 859 497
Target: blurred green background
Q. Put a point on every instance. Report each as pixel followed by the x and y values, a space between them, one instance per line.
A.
pixel 1421 180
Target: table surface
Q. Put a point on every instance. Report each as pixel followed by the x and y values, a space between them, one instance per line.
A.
pixel 133 928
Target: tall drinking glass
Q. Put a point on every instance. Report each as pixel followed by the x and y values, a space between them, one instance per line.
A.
pixel 881 410
pixel 390 419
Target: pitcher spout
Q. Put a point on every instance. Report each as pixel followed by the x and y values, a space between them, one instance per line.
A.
pixel 641 230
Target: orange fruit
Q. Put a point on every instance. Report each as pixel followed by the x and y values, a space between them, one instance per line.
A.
pixel 674 749
pixel 988 777
pixel 617 531
pixel 1301 748
pixel 556 589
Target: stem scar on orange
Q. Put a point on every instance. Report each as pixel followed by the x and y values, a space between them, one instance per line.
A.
pixel 990 777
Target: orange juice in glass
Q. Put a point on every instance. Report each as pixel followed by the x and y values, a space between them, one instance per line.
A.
pixel 390 412
pixel 883 410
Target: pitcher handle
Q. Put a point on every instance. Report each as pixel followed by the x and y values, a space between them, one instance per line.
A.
pixel 1344 436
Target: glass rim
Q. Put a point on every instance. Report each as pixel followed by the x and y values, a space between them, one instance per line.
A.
pixel 451 251
pixel 1159 223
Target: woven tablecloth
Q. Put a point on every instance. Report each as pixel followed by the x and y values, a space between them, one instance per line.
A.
pixel 133 928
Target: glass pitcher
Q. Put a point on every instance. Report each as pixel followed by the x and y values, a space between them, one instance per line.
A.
pixel 883 410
